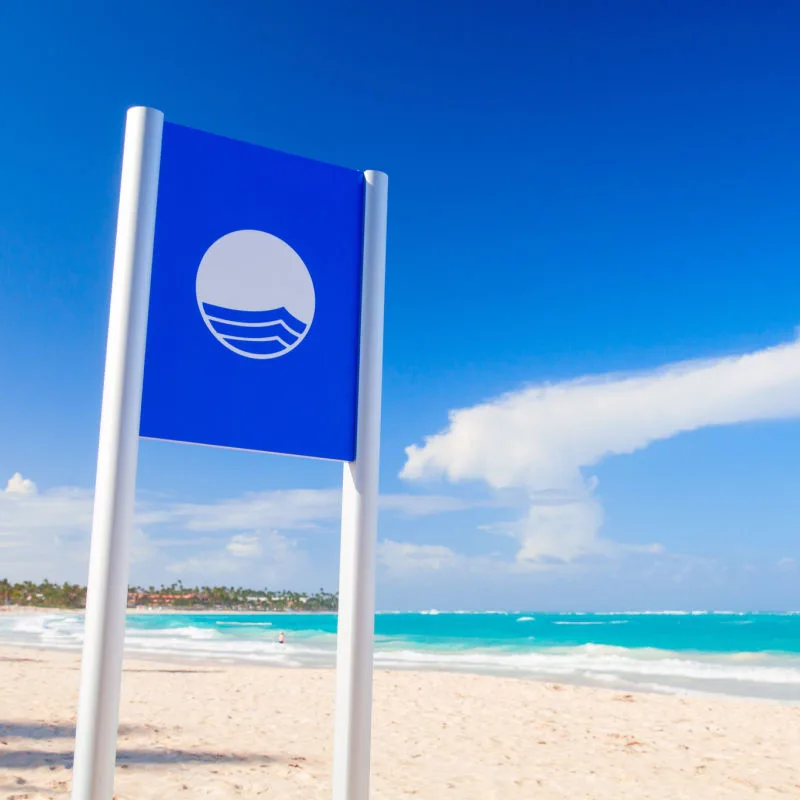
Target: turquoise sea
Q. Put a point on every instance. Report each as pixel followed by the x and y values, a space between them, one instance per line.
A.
pixel 745 654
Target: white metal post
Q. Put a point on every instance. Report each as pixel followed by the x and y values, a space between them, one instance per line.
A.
pixel 106 601
pixel 353 725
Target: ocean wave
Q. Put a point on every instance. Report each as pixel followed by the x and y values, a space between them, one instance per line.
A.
pixel 435 612
pixel 690 613
pixel 187 631
pixel 756 674
pixel 605 664
pixel 244 624
pixel 33 623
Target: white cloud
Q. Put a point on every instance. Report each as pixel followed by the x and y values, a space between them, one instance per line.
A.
pixel 66 509
pixel 419 505
pixel 293 509
pixel 19 485
pixel 43 533
pixel 244 545
pixel 565 530
pixel 207 566
pixel 401 557
pixel 143 548
pixel 404 559
pixel 542 439
pixel 787 564
pixel 266 557
pixel 46 534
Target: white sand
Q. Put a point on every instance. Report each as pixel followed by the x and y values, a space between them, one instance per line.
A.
pixel 229 732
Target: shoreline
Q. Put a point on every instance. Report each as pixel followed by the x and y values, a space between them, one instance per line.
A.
pixel 132 661
pixel 232 661
pixel 580 659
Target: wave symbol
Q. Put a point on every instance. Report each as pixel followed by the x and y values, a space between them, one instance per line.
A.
pixel 266 332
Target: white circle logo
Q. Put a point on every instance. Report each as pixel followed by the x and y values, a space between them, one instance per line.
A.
pixel 255 294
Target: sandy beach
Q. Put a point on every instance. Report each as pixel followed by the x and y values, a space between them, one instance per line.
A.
pixel 237 731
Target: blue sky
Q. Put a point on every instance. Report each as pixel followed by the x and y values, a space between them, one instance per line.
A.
pixel 585 193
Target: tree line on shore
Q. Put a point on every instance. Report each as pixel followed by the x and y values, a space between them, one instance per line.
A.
pixel 69 595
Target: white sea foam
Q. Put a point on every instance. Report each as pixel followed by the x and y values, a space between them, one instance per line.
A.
pixel 593 663
pixel 244 624
pixel 749 674
pixel 30 623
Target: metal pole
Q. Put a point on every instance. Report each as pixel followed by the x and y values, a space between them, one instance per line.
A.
pixel 351 758
pixel 106 601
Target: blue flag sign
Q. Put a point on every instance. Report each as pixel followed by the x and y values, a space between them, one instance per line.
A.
pixel 254 320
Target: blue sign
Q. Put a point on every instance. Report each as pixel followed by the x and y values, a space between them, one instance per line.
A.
pixel 254 321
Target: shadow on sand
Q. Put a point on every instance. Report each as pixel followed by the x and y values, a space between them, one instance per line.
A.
pixel 13 758
pixel 33 759
pixel 41 730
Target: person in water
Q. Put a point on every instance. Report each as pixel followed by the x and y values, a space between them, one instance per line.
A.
pixel 281 638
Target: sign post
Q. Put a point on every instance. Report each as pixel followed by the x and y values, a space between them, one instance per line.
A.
pixel 354 654
pixel 118 450
pixel 246 313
